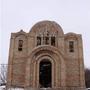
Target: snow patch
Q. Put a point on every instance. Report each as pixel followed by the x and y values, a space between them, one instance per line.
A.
pixel 3 88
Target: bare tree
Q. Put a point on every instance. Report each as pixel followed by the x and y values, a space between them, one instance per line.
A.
pixel 3 74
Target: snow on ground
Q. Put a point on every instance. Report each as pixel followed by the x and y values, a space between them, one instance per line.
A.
pixel 3 88
pixel 15 89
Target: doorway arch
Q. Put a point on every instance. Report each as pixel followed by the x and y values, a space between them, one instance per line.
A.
pixel 45 73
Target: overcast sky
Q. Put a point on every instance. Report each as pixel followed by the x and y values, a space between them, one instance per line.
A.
pixel 71 15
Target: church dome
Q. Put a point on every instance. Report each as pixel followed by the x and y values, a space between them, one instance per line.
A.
pixel 47 26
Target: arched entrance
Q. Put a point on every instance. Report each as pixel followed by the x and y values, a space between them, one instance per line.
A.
pixel 45 74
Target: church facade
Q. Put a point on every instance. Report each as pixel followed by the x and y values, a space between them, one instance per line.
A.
pixel 46 58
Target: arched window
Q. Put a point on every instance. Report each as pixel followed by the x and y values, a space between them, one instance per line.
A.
pixel 20 45
pixel 38 40
pixel 71 46
pixel 46 40
pixel 53 41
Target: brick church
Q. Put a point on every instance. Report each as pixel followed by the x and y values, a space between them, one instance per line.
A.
pixel 45 57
